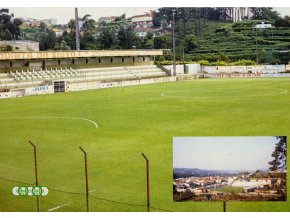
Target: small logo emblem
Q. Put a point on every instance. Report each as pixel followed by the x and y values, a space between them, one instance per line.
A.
pixel 22 191
pixel 30 191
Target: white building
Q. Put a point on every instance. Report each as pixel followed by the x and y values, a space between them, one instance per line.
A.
pixel 263 25
pixel 142 32
pixel 251 183
pixel 143 21
pixel 58 32
pixel 22 45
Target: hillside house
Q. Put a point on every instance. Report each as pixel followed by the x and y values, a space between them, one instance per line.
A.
pixel 263 25
pixel 144 21
pixel 109 19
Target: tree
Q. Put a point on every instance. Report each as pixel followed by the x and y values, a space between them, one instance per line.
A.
pixel 156 19
pixel 165 13
pixel 161 42
pixel 88 24
pixel 184 14
pixel 7 48
pixel 88 41
pixel 145 42
pixel 72 25
pixel 14 28
pixel 279 155
pixel 126 37
pixel 9 27
pixel 224 58
pixel 107 38
pixel 61 46
pixel 42 27
pixel 69 38
pixel 47 40
pixel 264 13
pixel 282 22
pixel 190 42
pixel 120 18
pixel 150 35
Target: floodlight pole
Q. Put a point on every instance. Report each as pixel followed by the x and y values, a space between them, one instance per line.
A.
pixel 35 169
pixel 87 183
pixel 77 30
pixel 148 188
pixel 173 42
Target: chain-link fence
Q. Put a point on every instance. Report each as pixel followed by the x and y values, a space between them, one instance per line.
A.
pixel 27 194
pixel 61 201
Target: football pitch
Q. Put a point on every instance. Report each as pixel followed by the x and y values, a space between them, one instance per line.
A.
pixel 116 125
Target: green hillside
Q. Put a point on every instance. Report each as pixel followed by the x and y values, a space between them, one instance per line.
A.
pixel 212 34
pixel 241 41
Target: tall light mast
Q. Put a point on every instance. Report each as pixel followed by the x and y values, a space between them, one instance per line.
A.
pixel 173 42
pixel 77 30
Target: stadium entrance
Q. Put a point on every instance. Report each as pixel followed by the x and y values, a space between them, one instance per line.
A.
pixel 59 86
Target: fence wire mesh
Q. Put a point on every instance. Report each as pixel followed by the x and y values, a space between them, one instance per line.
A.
pixel 62 201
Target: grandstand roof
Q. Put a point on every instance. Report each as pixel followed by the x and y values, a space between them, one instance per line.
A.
pixel 78 54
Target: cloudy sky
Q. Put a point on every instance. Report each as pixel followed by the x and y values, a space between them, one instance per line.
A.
pixel 64 11
pixel 63 15
pixel 223 153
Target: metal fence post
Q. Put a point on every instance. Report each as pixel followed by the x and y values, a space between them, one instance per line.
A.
pixel 148 188
pixel 36 175
pixel 87 183
pixel 225 206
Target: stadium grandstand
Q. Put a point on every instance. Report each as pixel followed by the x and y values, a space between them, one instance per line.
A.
pixel 34 73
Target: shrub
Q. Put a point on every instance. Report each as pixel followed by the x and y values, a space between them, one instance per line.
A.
pixel 203 62
pixel 221 63
pixel 243 62
pixel 8 48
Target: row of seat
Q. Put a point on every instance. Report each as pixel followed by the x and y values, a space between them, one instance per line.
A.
pixel 28 75
pixel 5 78
pixel 121 71
pixel 70 74
pixel 123 76
pixel 113 69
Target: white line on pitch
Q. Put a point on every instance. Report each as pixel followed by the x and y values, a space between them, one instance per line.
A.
pixel 60 206
pixel 93 191
pixel 72 118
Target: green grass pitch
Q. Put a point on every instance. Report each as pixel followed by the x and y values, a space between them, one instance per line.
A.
pixel 132 120
pixel 229 189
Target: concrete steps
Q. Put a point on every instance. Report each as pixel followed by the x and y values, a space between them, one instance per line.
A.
pixel 32 77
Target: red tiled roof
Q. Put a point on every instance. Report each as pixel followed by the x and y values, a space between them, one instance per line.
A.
pixel 141 29
pixel 143 15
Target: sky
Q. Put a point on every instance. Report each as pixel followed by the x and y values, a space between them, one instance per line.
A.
pixel 63 11
pixel 64 14
pixel 223 153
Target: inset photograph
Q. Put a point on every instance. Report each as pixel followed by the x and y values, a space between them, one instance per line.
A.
pixel 229 168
